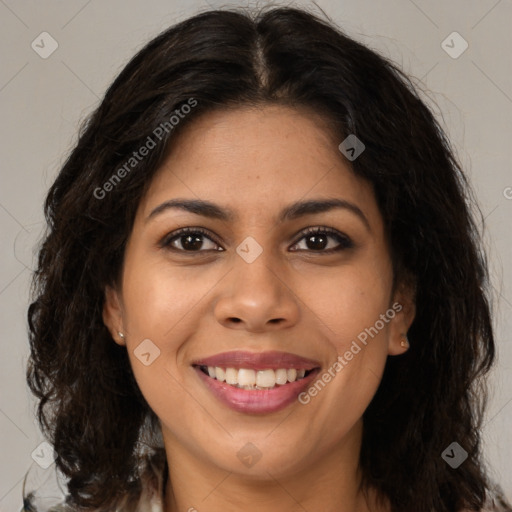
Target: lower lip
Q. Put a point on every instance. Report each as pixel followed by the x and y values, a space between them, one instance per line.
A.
pixel 256 401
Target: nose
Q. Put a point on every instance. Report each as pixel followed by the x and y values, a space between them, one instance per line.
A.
pixel 255 297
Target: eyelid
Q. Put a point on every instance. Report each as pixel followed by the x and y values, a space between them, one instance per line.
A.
pixel 165 242
pixel 344 241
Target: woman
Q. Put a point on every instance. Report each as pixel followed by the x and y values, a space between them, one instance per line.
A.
pixel 262 285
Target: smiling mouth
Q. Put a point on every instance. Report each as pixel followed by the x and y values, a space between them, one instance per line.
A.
pixel 249 379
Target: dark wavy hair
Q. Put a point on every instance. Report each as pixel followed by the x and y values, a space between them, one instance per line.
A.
pixel 89 403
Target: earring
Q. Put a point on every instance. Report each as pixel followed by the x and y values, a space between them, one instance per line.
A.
pixel 405 342
pixel 121 335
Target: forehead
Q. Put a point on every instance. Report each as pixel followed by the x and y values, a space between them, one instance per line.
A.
pixel 252 159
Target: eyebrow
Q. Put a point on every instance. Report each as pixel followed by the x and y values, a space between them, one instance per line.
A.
pixel 291 212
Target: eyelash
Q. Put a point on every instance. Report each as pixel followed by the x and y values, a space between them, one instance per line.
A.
pixel 344 241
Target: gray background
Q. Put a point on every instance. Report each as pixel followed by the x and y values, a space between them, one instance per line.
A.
pixel 43 100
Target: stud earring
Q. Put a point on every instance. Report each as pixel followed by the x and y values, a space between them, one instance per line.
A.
pixel 405 342
pixel 121 335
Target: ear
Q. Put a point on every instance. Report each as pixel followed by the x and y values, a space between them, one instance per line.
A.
pixel 113 314
pixel 404 305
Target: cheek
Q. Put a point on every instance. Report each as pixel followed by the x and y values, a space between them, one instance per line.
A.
pixel 352 309
pixel 342 391
pixel 162 309
pixel 159 299
pixel 347 301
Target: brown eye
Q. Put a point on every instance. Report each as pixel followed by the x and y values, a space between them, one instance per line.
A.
pixel 320 240
pixel 190 240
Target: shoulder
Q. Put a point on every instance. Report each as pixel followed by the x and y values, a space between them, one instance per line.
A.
pixel 496 501
pixel 45 490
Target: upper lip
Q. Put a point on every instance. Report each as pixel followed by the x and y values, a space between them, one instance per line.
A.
pixel 272 359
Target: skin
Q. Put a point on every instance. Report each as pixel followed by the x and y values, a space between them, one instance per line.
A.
pixel 202 302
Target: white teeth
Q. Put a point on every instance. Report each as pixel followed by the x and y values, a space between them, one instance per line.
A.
pixel 266 379
pixel 292 374
pixel 231 375
pixel 246 377
pixel 281 376
pixel 251 379
pixel 220 374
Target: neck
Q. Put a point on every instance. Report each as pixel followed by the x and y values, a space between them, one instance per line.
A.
pixel 329 482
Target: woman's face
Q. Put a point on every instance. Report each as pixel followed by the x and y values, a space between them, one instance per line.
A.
pixel 254 281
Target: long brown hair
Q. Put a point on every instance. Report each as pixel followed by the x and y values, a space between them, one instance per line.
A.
pixel 89 402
